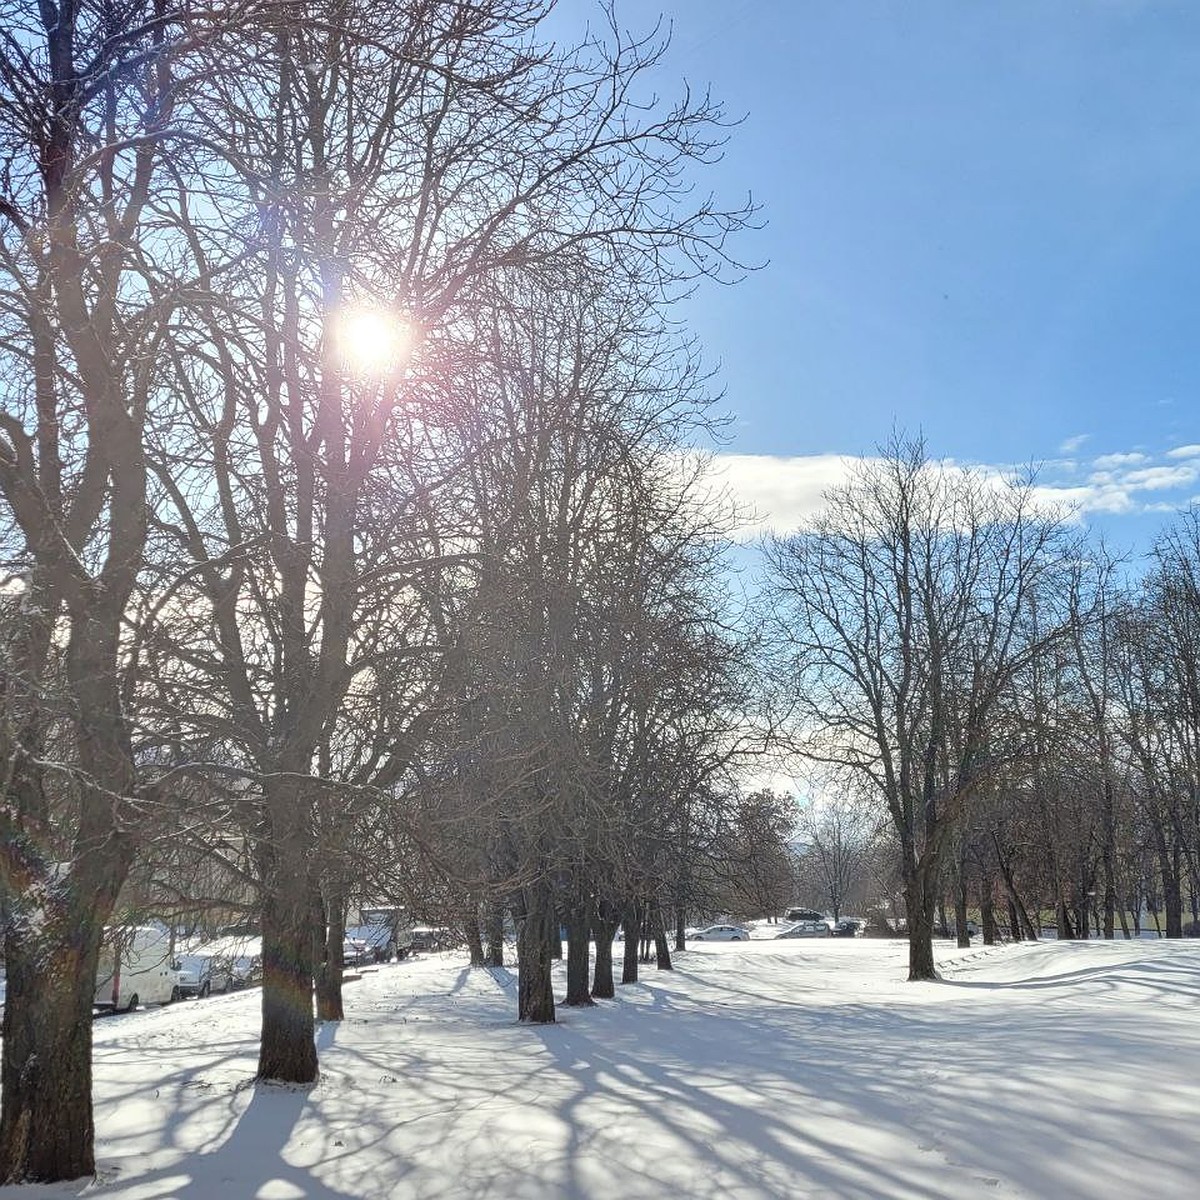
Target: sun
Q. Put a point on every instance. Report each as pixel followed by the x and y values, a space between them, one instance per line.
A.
pixel 371 341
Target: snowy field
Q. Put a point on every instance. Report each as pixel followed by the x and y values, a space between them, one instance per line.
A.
pixel 766 1069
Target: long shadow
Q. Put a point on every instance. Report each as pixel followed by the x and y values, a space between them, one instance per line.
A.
pixel 251 1159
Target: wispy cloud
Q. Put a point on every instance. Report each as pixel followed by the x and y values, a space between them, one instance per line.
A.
pixel 1192 451
pixel 1073 444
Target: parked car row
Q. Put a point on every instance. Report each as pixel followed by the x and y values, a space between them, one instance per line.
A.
pixel 140 965
pixel 819 926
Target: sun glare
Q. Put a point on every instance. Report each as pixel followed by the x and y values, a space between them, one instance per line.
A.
pixel 372 341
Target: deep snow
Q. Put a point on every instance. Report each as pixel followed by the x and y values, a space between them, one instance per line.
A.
pixel 767 1069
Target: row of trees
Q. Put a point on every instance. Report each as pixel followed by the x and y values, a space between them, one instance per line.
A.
pixel 346 515
pixel 961 660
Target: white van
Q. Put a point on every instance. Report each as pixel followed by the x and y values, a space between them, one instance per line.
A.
pixel 135 968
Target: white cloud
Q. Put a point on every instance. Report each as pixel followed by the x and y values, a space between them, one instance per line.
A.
pixel 1192 451
pixel 1073 443
pixel 1160 479
pixel 1107 462
pixel 780 493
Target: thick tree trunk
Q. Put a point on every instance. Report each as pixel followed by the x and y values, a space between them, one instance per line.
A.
pixel 332 925
pixel 578 993
pixel 495 936
pixel 287 1052
pixel 535 990
pixel 46 1130
pixel 919 902
pixel 53 925
pixel 632 924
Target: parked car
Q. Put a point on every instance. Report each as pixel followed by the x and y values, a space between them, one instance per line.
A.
pixel 432 937
pixel 200 974
pixel 804 929
pixel 849 927
pixel 356 952
pixel 135 967
pixel 385 941
pixel 972 929
pixel 723 933
pixel 236 957
pixel 803 914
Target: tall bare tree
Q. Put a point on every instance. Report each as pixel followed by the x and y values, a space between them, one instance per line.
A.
pixel 92 93
pixel 905 611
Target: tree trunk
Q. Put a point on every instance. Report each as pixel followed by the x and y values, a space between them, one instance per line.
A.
pixel 495 936
pixel 53 926
pixel 1063 915
pixel 680 928
pixel 332 923
pixel 1015 932
pixel 1124 918
pixel 1020 918
pixel 662 952
pixel 473 936
pixel 960 911
pixel 987 912
pixel 287 1052
pixel 1109 851
pixel 920 905
pixel 46 1129
pixel 602 975
pixel 1172 893
pixel 535 990
pixel 1082 917
pixel 632 924
pixel 578 995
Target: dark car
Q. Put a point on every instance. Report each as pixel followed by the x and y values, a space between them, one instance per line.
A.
pixel 803 914
pixel 849 927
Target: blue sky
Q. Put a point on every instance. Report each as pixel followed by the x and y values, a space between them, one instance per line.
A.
pixel 983 222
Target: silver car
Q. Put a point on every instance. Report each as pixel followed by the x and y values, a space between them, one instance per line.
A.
pixel 723 933
pixel 804 929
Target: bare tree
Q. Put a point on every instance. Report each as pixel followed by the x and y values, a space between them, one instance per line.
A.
pixel 905 612
pixel 837 832
pixel 93 93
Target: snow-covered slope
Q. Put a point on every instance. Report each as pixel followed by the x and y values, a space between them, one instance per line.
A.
pixel 769 1069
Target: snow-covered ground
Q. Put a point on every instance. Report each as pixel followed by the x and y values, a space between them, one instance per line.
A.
pixel 763 1069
